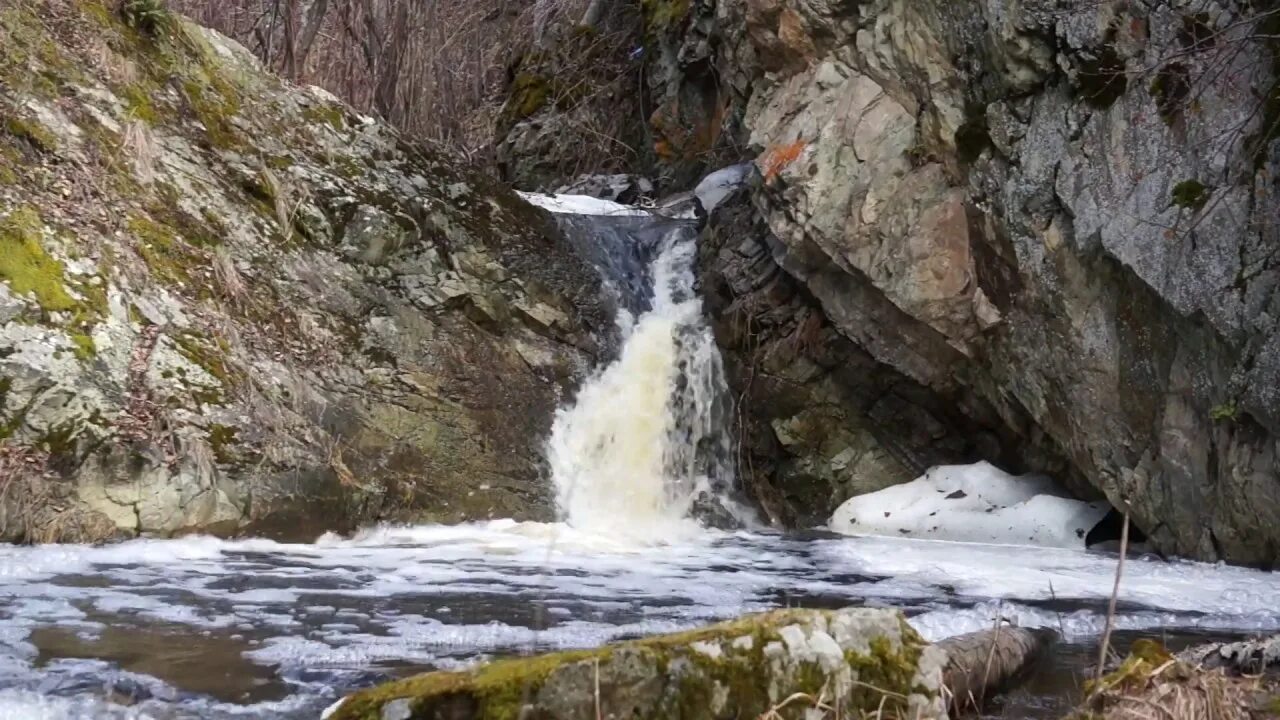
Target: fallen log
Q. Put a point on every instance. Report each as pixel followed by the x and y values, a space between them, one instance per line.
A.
pixel 984 663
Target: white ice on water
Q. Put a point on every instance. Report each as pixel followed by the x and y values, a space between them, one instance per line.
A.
pixel 972 503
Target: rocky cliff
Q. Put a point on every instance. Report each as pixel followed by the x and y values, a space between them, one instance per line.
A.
pixel 228 303
pixel 1054 227
pixel 1039 232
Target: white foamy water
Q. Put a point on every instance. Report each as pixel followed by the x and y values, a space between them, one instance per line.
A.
pixel 646 437
pixel 309 622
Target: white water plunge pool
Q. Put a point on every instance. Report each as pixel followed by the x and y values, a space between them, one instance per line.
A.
pixel 215 629
pixel 206 628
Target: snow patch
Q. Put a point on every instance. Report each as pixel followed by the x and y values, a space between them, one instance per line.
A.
pixel 582 205
pixel 972 503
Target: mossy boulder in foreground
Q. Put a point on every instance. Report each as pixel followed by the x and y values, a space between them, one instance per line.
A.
pixel 790 661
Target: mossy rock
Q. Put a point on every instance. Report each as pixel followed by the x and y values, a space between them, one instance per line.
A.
pixel 25 264
pixel 863 660
pixel 664 16
pixel 1190 194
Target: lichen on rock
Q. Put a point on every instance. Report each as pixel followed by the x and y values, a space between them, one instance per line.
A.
pixel 233 304
pixel 787 661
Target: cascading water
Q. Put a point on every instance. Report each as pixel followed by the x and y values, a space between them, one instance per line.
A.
pixel 646 441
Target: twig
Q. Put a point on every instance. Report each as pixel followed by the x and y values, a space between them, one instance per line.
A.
pixel 1111 606
pixel 597 667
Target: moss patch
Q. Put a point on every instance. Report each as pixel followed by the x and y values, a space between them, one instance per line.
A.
pixel 663 16
pixel 85 347
pixel 739 676
pixel 137 100
pixel 26 266
pixel 1190 194
pixel 330 115
pixel 222 438
pixel 32 132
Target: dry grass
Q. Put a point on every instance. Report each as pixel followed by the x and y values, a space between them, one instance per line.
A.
pixel 32 506
pixel 1151 685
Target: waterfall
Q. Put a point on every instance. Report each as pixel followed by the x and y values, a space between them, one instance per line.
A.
pixel 644 450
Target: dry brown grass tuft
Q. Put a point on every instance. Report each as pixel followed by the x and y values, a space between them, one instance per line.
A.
pixel 1153 685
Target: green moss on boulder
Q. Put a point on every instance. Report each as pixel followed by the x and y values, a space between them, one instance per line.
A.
pixel 862 660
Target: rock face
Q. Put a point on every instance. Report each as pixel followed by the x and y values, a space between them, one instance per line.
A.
pixel 1051 228
pixel 231 304
pixel 857 659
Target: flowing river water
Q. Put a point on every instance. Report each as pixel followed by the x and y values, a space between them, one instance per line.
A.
pixel 199 627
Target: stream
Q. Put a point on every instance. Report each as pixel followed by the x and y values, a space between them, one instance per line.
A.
pixel 655 537
pixel 205 628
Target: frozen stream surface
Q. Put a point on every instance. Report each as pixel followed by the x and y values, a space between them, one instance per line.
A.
pixel 206 628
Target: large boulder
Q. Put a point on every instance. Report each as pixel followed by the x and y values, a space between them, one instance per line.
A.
pixel 1058 220
pixel 228 303
pixel 792 662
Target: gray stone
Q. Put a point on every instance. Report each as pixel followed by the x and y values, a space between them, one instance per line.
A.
pixel 1010 209
pixel 298 323
pixel 739 668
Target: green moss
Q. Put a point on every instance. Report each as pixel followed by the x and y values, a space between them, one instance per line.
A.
pixel 137 100
pixel 26 266
pixel 213 360
pixel 1190 194
pixel 168 256
pixel 214 104
pixel 663 16
pixel 501 683
pixel 330 115
pixel 221 439
pixel 529 93
pixel 31 131
pixel 740 675
pixel 1225 411
pixel 31 62
pixel 85 347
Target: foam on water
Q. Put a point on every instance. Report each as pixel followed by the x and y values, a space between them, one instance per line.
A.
pixel 433 596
